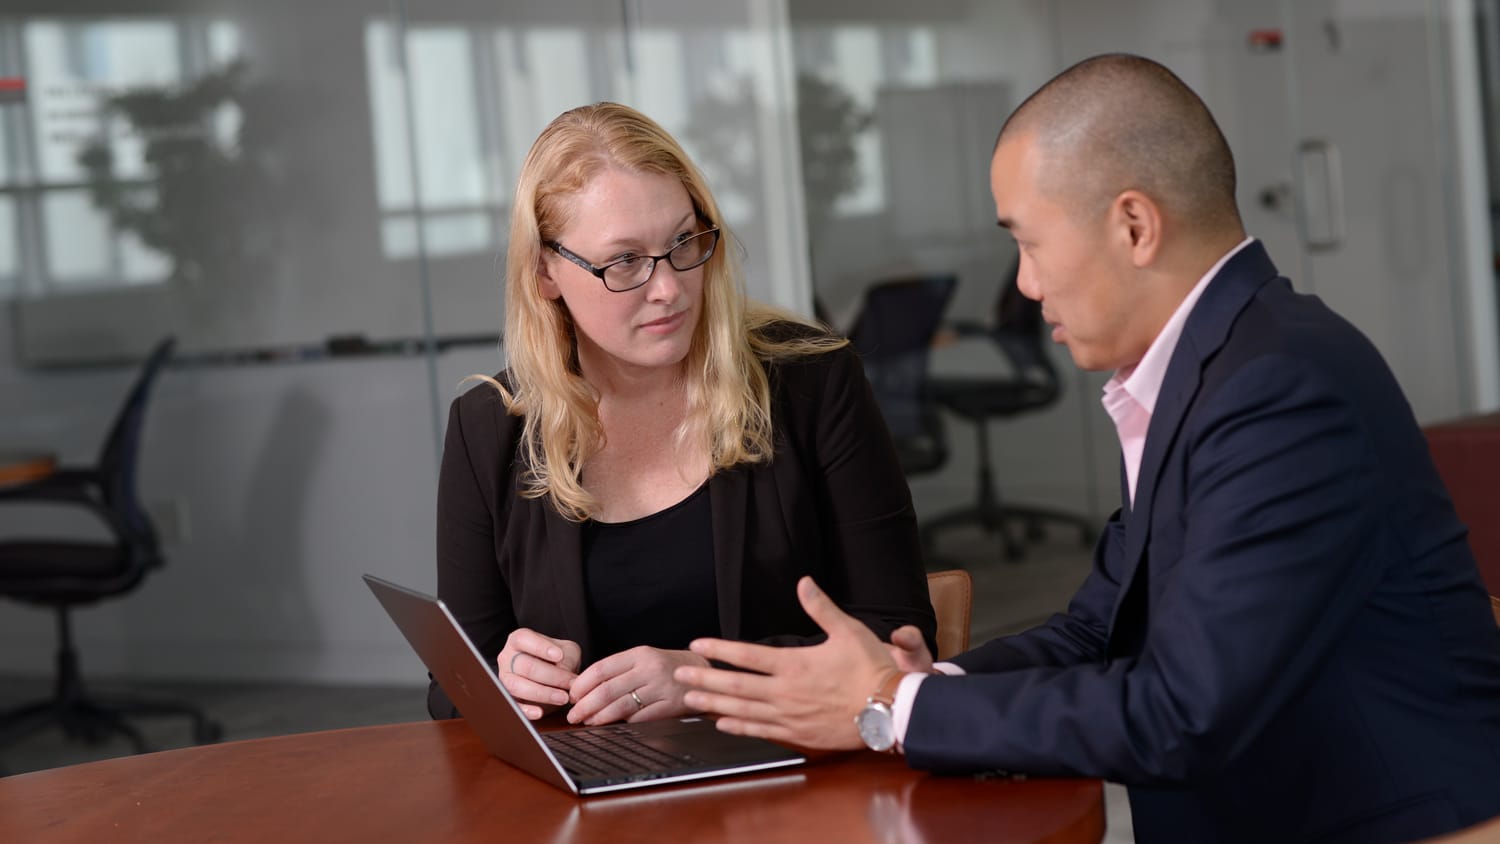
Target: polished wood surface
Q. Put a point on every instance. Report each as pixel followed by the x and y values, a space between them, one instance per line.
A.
pixel 24 467
pixel 434 781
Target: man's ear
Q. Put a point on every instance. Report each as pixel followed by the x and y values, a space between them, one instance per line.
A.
pixel 1138 220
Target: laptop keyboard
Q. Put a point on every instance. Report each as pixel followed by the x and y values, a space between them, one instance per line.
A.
pixel 612 752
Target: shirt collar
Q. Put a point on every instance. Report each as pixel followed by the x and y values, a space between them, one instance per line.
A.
pixel 1143 381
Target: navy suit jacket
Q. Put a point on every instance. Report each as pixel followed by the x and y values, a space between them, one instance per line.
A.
pixel 1285 639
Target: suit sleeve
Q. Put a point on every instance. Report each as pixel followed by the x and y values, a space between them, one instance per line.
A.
pixel 468 574
pixel 875 569
pixel 1075 637
pixel 1277 477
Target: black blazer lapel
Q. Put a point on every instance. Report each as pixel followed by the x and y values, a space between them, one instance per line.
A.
pixel 728 498
pixel 564 555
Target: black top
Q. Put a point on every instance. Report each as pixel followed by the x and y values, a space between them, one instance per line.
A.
pixel 831 503
pixel 651 581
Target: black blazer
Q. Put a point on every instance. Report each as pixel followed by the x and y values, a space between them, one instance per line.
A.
pixel 832 503
pixel 1285 639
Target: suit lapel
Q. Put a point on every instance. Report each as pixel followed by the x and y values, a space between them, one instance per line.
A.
pixel 1204 333
pixel 728 496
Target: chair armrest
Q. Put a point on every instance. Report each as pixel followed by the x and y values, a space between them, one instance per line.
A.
pixel 67 486
pixel 73 487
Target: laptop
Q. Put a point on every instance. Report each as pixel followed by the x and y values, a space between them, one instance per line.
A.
pixel 584 760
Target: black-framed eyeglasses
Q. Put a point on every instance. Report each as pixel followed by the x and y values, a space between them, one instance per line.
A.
pixel 631 272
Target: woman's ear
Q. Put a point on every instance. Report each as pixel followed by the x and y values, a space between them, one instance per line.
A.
pixel 545 284
pixel 1138 219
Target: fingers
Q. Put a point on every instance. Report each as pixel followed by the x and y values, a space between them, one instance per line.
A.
pixel 724 683
pixel 529 669
pixel 908 638
pixel 821 608
pixel 909 650
pixel 760 658
pixel 602 687
pixel 528 641
pixel 744 709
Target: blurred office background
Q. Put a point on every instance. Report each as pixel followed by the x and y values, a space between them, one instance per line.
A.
pixel 313 198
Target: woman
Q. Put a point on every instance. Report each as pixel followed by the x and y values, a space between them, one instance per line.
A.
pixel 662 460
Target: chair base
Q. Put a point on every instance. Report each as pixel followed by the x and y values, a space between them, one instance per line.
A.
pixel 95 720
pixel 1002 519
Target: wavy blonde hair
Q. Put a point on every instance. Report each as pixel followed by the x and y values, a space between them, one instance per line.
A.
pixel 724 373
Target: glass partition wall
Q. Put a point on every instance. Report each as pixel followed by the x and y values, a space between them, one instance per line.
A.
pixel 315 199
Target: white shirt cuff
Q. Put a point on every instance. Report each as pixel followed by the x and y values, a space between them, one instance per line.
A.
pixel 906 697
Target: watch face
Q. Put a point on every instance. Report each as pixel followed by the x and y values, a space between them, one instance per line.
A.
pixel 876 727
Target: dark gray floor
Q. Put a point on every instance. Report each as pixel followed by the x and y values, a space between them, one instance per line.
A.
pixel 1007 597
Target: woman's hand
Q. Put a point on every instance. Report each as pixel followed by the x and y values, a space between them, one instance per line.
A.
pixel 538 670
pixel 633 685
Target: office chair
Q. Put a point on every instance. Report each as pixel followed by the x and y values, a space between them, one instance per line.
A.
pixel 1019 333
pixel 893 335
pixel 951 593
pixel 63 574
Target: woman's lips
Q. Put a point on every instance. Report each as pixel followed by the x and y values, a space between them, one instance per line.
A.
pixel 666 324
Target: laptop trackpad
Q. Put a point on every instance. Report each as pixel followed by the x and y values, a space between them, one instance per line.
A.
pixel 700 739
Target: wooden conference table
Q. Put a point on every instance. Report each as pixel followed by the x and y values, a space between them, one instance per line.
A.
pixel 434 781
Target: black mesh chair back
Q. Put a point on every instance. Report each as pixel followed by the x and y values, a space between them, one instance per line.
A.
pixel 893 335
pixel 62 574
pixel 1031 384
pixel 119 459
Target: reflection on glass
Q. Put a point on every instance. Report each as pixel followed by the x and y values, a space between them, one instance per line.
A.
pixel 9 259
pixel 78 238
pixel 456 153
pixel 116 135
pixel 73 66
pixel 859 60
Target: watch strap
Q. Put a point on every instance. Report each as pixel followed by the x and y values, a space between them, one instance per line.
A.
pixel 886 693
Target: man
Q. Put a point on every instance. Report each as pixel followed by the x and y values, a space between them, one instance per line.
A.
pixel 1283 637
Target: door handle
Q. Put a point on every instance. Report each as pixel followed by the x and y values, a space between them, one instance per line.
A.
pixel 1320 196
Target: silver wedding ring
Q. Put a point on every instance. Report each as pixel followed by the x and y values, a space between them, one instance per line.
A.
pixel 637 698
pixel 513 661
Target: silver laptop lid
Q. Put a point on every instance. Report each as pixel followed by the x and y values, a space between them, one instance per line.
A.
pixel 469 683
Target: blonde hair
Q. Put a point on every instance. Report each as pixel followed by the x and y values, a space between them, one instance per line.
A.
pixel 724 373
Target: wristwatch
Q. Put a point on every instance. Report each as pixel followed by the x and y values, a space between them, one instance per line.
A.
pixel 876 723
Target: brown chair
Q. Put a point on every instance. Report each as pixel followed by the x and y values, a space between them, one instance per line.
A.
pixel 952 595
pixel 1494 605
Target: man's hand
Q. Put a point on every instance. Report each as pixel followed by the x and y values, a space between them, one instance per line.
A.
pixel 909 650
pixel 633 685
pixel 806 696
pixel 537 670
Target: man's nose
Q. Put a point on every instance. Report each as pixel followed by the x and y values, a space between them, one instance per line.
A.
pixel 1026 282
